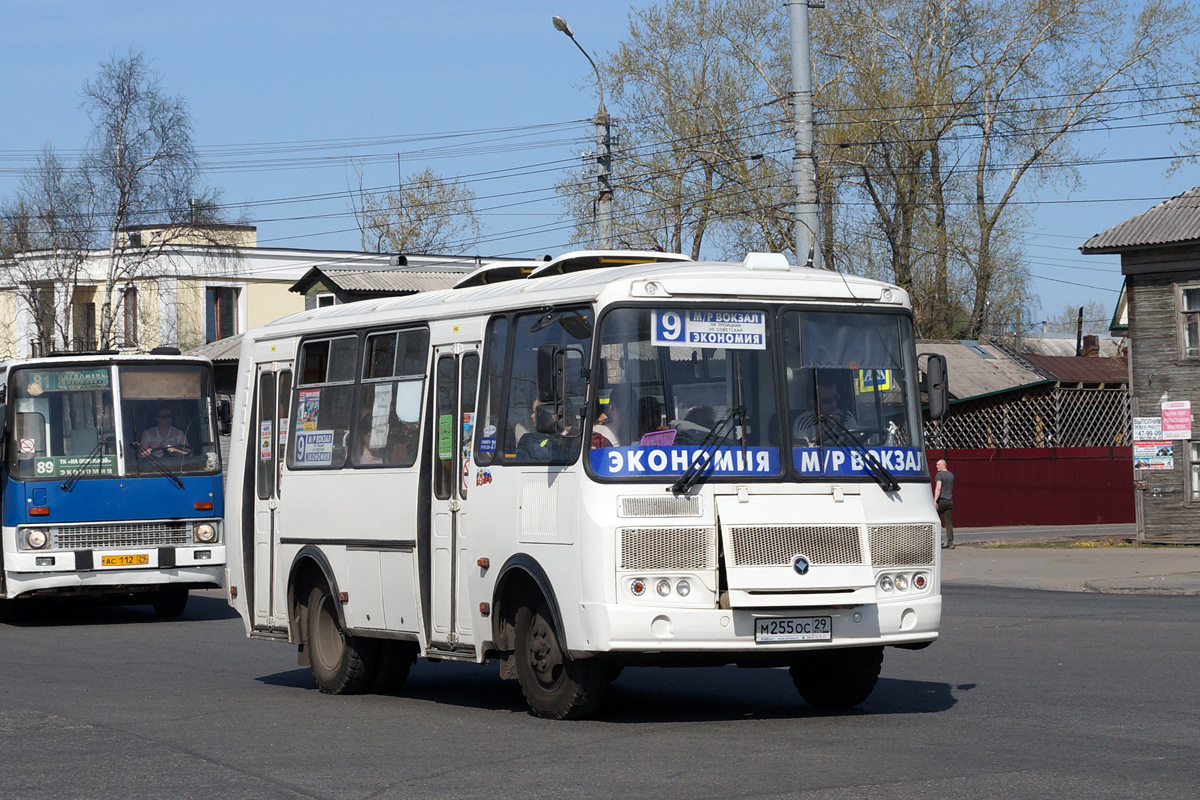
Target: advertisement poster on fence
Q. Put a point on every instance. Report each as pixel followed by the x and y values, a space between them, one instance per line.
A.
pixel 1177 419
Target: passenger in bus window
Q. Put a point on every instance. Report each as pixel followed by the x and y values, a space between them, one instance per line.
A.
pixel 542 446
pixel 402 444
pixel 364 452
pixel 650 416
pixel 609 420
pixel 161 438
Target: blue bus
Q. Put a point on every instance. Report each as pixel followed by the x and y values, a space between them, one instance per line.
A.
pixel 110 484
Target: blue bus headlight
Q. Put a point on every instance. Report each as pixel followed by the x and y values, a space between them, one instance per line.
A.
pixel 36 539
pixel 204 533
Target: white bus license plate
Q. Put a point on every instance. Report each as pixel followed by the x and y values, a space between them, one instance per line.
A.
pixel 793 629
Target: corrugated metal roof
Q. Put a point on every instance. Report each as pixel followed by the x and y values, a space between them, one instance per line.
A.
pixel 1171 222
pixel 1082 369
pixel 977 369
pixel 220 350
pixel 391 280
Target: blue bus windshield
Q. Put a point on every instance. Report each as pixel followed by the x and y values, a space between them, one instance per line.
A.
pixel 96 420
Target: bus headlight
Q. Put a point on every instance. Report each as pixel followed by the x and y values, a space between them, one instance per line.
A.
pixel 36 539
pixel 663 587
pixel 204 533
pixel 885 583
pixel 902 583
pixel 920 581
pixel 683 588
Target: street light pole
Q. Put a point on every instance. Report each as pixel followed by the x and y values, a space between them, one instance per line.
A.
pixel 804 161
pixel 604 195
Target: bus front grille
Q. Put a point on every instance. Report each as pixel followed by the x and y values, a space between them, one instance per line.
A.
pixel 121 534
pixel 684 506
pixel 777 545
pixel 902 545
pixel 667 548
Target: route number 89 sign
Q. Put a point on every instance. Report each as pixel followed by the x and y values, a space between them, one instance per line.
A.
pixel 743 330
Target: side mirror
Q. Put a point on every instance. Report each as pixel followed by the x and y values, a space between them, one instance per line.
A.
pixel 224 416
pixel 559 380
pixel 550 364
pixel 937 386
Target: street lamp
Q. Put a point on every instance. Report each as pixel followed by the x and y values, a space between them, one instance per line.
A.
pixel 603 147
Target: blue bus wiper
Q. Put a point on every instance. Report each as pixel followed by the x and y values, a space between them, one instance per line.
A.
pixel 138 452
pixel 702 464
pixel 871 463
pixel 77 473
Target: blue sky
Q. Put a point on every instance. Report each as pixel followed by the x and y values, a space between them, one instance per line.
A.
pixel 287 96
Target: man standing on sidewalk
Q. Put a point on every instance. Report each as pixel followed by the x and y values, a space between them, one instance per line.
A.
pixel 943 498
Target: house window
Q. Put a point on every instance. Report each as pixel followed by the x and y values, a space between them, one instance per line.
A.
pixel 130 302
pixel 1190 308
pixel 85 326
pixel 220 312
pixel 325 299
pixel 1193 470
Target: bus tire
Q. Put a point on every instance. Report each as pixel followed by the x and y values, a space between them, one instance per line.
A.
pixel 837 679
pixel 555 686
pixel 170 601
pixel 341 664
pixel 395 661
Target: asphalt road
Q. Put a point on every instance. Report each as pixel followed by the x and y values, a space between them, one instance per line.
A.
pixel 1030 694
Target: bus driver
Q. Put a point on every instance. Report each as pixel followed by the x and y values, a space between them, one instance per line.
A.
pixel 163 438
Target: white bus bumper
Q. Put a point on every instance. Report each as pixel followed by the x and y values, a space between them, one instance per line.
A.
pixel 616 628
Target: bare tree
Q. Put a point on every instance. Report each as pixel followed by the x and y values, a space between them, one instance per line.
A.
pixel 133 198
pixel 426 214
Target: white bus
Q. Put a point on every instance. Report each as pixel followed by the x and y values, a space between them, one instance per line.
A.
pixel 610 459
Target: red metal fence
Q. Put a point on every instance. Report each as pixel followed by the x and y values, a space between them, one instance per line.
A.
pixel 1040 486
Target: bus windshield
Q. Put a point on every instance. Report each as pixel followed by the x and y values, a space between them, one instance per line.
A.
pixel 675 384
pixel 669 377
pixel 850 390
pixel 97 420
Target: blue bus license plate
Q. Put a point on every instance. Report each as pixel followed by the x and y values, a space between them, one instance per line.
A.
pixel 793 629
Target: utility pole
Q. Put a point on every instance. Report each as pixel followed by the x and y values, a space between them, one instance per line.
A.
pixel 804 161
pixel 604 191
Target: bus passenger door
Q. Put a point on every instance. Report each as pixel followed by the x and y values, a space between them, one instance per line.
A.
pixel 274 387
pixel 456 379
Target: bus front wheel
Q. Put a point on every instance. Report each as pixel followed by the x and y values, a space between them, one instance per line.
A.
pixel 341 664
pixel 170 601
pixel 555 686
pixel 837 679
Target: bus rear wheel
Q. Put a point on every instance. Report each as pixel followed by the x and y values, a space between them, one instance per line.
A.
pixel 555 686
pixel 341 664
pixel 170 601
pixel 837 679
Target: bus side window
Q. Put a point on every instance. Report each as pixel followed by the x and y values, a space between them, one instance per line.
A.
pixel 323 414
pixel 31 425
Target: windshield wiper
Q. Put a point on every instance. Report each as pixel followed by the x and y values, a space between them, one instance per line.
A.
pixel 138 452
pixel 701 465
pixel 77 473
pixel 874 468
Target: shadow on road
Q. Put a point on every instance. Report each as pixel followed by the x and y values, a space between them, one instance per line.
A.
pixel 655 695
pixel 60 612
